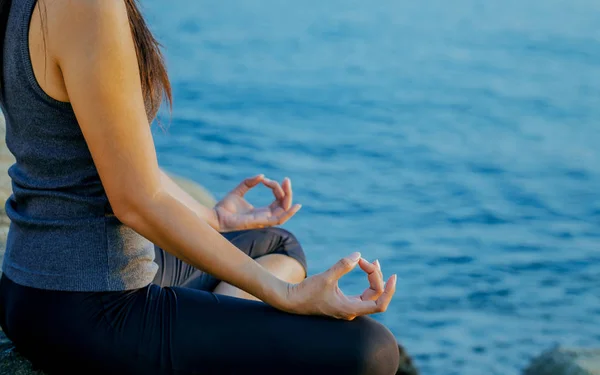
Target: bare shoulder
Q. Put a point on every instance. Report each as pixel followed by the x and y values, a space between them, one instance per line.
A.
pixel 72 19
pixel 84 26
pixel 86 9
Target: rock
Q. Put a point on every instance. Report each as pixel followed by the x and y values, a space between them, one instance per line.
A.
pixel 565 361
pixel 198 192
pixel 11 362
pixel 406 366
pixel 6 160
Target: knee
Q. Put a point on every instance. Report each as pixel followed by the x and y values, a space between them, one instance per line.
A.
pixel 285 236
pixel 379 353
pixel 289 245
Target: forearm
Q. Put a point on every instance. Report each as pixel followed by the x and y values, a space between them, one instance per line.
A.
pixel 207 214
pixel 173 226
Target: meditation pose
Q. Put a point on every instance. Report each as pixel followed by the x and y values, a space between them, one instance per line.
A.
pixel 110 267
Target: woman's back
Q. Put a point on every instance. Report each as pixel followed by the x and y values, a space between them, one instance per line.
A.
pixel 64 235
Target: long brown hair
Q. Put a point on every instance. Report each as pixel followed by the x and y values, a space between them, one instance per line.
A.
pixel 156 86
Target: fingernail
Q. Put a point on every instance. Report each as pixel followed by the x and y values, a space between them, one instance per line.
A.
pixel 354 256
pixel 376 262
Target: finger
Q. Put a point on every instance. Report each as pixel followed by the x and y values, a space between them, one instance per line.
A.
pixel 286 215
pixel 286 185
pixel 386 297
pixel 376 288
pixel 372 270
pixel 375 277
pixel 366 266
pixel 376 263
pixel 343 266
pixel 247 184
pixel 271 221
pixel 379 305
pixel 275 187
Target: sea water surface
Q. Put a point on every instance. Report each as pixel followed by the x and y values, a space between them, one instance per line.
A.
pixel 455 141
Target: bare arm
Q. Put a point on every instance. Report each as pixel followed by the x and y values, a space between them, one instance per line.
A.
pixel 97 58
pixel 207 214
pixel 233 212
pixel 91 43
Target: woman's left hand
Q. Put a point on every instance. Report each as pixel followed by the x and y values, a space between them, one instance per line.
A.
pixel 235 213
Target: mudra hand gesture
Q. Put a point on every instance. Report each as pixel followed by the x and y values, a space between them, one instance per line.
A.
pixel 234 212
pixel 318 294
pixel 321 295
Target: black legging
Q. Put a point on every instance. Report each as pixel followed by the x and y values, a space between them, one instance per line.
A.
pixel 176 326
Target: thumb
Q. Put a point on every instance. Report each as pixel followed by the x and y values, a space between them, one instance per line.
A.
pixel 343 266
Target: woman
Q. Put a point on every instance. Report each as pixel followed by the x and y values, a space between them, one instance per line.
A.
pixel 84 289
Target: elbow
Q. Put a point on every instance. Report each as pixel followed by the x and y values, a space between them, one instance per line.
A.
pixel 127 216
pixel 126 212
pixel 134 198
pixel 130 209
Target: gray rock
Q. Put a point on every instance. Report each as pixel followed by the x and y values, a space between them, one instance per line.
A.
pixel 565 361
pixel 197 191
pixel 11 362
pixel 407 366
pixel 6 160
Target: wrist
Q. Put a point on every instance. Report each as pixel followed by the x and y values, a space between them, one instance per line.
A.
pixel 278 295
pixel 214 220
pixel 284 297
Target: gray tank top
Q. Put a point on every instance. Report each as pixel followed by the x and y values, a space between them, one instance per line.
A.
pixel 63 233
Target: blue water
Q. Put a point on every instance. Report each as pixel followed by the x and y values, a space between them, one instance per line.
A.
pixel 458 142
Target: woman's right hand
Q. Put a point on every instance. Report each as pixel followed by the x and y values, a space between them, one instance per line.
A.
pixel 321 295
